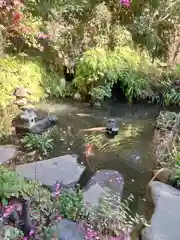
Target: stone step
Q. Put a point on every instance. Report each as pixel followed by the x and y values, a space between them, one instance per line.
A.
pixel 65 169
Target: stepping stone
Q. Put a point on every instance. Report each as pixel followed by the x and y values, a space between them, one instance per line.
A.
pixel 103 182
pixel 165 220
pixel 68 230
pixel 7 153
pixel 64 169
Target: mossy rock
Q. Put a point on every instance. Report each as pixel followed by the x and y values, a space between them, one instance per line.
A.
pixel 163 175
pixel 166 120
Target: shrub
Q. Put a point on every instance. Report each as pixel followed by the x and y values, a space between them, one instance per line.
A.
pixel 42 143
pixel 175 180
pixel 171 93
pixel 114 213
pixel 12 234
pixel 98 70
pixel 13 185
pixel 71 204
pixel 14 72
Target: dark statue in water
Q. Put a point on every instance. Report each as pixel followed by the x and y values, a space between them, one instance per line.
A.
pixel 111 127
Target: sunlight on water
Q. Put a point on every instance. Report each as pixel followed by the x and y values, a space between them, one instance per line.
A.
pixel 102 143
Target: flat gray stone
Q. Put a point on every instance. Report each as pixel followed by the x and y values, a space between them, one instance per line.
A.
pixel 166 218
pixel 7 152
pixel 68 230
pixel 103 182
pixel 64 169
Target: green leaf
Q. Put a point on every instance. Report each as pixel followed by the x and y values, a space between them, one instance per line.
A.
pixel 4 201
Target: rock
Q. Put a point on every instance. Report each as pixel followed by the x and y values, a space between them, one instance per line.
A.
pixel 21 102
pixel 64 169
pixel 101 182
pixel 8 153
pixel 165 220
pixel 68 230
pixel 163 175
pixel 21 92
pixel 166 120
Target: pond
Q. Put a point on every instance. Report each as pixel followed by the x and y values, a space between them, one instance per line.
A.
pixel 130 152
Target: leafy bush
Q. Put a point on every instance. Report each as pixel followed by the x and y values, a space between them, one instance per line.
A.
pixel 175 180
pixel 10 184
pixel 98 70
pixel 171 93
pixel 6 130
pixel 12 234
pixel 13 185
pixel 71 204
pixel 171 96
pixel 31 74
pixel 42 143
pixel 113 213
pixel 15 72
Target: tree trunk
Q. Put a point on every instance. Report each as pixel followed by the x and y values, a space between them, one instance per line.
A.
pixel 174 47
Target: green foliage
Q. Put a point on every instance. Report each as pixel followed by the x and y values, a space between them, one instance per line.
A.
pixel 15 72
pixel 50 233
pixel 171 96
pixel 31 74
pixel 71 204
pixel 102 39
pixel 98 70
pixel 6 130
pixel 166 120
pixel 10 184
pixel 175 180
pixel 12 234
pixel 13 185
pixel 171 93
pixel 113 212
pixel 56 87
pixel 42 143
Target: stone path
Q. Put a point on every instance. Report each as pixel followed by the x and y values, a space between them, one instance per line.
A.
pixel 7 152
pixel 64 169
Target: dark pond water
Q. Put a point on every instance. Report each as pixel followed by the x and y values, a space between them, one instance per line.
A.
pixel 130 152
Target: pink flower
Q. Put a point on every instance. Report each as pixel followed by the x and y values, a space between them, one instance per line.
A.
pixel 17 16
pixel 125 3
pixel 43 36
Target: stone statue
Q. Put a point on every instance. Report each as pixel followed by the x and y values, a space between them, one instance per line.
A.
pixel 111 127
pixel 21 95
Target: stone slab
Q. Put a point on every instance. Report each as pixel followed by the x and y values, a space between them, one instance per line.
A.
pixel 64 169
pixel 100 182
pixel 7 152
pixel 166 218
pixel 68 230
